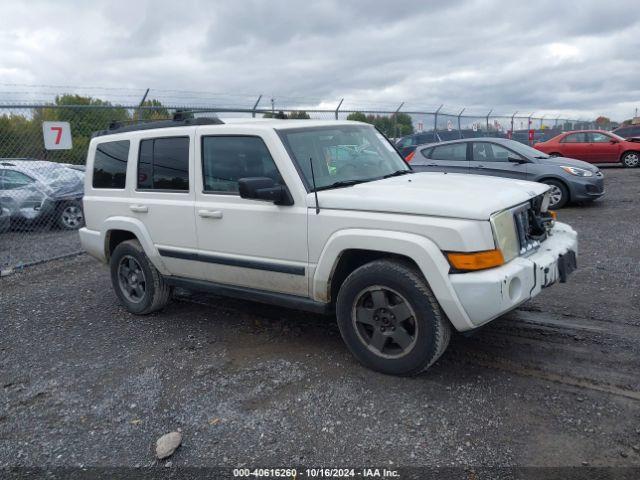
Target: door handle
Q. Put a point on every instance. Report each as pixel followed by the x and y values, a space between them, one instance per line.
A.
pixel 210 213
pixel 139 208
pixel 480 166
pixel 431 165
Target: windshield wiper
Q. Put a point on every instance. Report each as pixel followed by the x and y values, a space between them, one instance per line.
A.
pixel 397 173
pixel 344 183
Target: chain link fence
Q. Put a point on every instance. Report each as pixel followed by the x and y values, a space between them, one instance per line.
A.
pixel 41 184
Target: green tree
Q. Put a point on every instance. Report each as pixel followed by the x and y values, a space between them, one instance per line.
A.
pixel 395 125
pixel 297 115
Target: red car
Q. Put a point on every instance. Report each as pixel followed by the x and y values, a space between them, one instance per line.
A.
pixel 593 146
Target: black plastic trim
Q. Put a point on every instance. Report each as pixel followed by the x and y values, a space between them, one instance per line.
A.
pixel 233 262
pixel 244 293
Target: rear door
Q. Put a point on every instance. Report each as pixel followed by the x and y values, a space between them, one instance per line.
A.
pixel 492 159
pixel 575 145
pixel 603 148
pixel 450 157
pixel 163 196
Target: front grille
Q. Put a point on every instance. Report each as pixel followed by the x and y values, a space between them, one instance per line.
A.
pixel 531 225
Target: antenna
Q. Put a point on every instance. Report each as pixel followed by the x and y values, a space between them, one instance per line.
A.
pixel 315 190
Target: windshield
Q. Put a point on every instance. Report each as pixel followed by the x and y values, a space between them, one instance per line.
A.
pixel 342 155
pixel 526 150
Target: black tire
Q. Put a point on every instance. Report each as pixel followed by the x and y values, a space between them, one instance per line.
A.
pixel 70 216
pixel 631 159
pixel 427 326
pixel 155 291
pixel 558 188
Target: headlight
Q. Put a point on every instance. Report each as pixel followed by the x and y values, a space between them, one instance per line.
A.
pixel 578 172
pixel 505 234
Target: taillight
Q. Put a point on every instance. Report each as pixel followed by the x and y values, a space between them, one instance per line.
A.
pixel 409 157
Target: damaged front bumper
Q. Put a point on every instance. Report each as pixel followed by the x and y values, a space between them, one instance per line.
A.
pixel 488 294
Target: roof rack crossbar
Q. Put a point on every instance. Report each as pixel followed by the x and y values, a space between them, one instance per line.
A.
pixel 179 120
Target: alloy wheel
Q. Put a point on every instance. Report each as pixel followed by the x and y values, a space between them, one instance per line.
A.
pixel 631 160
pixel 72 216
pixel 385 322
pixel 555 195
pixel 131 279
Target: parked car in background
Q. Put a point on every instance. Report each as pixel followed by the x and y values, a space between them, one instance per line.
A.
pixel 5 219
pixel 628 131
pixel 570 180
pixel 593 146
pixel 408 143
pixel 36 192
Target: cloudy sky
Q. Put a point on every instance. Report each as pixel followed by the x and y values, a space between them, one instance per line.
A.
pixel 572 57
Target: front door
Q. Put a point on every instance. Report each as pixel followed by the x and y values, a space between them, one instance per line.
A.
pixel 492 159
pixel 603 148
pixel 241 242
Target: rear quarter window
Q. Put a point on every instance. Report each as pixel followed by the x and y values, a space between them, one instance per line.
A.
pixel 110 164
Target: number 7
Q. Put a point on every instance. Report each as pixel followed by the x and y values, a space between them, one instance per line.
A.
pixel 58 134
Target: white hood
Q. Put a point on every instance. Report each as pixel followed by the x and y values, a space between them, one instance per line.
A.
pixel 473 197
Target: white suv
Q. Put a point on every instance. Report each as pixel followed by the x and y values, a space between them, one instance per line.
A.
pixel 323 216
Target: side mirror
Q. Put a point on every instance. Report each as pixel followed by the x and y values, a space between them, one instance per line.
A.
pixel 613 141
pixel 264 188
pixel 519 160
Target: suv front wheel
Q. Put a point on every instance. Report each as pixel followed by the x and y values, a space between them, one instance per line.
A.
pixel 390 319
pixel 137 283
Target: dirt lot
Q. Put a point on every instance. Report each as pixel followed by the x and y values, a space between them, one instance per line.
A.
pixel 556 383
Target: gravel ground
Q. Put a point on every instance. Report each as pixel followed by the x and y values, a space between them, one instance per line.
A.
pixel 27 247
pixel 556 383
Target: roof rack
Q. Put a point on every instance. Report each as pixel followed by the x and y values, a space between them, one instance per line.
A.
pixel 179 120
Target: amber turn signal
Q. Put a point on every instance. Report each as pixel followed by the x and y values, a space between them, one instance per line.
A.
pixel 476 260
pixel 553 214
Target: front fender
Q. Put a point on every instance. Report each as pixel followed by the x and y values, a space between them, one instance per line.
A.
pixel 423 251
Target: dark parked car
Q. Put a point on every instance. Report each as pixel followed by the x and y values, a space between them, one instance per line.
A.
pixel 408 143
pixel 570 180
pixel 628 131
pixel 37 192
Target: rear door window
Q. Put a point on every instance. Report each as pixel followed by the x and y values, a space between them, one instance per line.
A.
pixel 110 164
pixel 454 151
pixel 163 164
pixel 575 138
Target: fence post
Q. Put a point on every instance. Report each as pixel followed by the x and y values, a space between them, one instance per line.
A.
pixel 512 116
pixel 555 125
pixel 338 107
pixel 255 105
pixel 459 127
pixel 488 115
pixel 395 120
pixel 435 118
pixel 144 97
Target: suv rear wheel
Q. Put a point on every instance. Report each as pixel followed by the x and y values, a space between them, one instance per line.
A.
pixel 137 283
pixel 390 319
